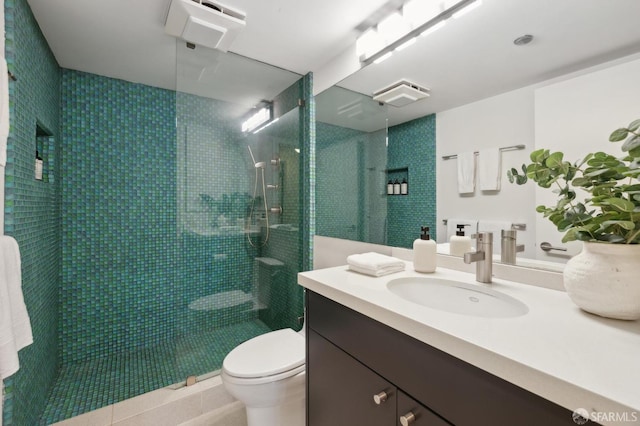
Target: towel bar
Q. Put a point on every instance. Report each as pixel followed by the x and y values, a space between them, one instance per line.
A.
pixel 504 148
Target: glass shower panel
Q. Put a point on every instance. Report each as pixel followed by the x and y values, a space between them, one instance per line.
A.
pixel 279 260
pixel 351 158
pixel 237 194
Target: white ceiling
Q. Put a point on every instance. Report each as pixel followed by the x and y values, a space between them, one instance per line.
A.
pixel 125 38
pixel 469 59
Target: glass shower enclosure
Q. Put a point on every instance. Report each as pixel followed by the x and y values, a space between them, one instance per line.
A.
pixel 238 205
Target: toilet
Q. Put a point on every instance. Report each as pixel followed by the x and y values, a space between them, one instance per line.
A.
pixel 267 373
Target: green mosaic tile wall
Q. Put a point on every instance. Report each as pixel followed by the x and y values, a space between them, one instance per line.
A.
pixel 119 216
pixel 413 145
pixel 104 269
pixel 338 163
pixel 352 165
pixel 346 160
pixel 215 179
pixel 307 171
pixel 32 208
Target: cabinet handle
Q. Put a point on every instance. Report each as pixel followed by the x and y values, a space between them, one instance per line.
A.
pixel 407 419
pixel 380 397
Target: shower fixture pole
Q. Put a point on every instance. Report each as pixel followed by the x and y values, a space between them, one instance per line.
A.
pixel 258 165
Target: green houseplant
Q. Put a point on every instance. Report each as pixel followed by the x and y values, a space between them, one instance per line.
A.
pixel 611 213
pixel 598 203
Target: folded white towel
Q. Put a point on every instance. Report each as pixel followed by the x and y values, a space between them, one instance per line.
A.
pixel 489 166
pixel 376 272
pixel 374 264
pixel 15 327
pixel 466 172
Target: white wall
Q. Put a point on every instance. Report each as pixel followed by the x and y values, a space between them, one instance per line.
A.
pixel 499 121
pixel 574 113
pixel 577 116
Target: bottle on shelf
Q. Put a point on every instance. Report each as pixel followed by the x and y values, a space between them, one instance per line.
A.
pixel 404 187
pixel 396 187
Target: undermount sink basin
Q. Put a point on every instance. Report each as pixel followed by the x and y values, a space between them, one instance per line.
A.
pixel 457 297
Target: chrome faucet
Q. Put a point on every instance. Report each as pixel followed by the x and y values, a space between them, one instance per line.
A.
pixel 483 256
pixel 508 247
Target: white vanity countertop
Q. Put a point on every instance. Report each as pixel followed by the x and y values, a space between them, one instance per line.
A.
pixel 573 358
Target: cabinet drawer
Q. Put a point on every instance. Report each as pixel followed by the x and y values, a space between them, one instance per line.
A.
pixel 455 390
pixel 416 414
pixel 341 390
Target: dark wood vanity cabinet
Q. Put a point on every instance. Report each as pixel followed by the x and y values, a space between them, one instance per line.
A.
pixel 346 392
pixel 361 372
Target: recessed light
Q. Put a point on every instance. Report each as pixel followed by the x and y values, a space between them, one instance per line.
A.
pixel 522 40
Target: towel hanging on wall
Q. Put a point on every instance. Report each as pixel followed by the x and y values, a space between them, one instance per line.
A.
pixel 466 172
pixel 15 327
pixel 489 166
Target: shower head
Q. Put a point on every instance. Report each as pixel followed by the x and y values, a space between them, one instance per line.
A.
pixel 260 165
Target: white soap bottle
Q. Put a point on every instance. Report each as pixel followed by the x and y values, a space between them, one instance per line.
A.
pixel 424 252
pixel 459 244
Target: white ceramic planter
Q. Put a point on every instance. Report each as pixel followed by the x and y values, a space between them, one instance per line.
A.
pixel 604 279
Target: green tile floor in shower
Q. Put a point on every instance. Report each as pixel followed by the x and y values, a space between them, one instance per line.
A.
pixel 86 386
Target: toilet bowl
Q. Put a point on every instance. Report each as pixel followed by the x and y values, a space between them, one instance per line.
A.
pixel 267 373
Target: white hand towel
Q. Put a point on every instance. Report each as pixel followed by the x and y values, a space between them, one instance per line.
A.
pixel 489 166
pixel 494 226
pixel 466 172
pixel 374 264
pixel 9 363
pixel 4 109
pixel 15 327
pixel 452 227
pixel 376 272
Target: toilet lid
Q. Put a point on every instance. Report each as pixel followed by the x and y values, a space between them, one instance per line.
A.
pixel 266 355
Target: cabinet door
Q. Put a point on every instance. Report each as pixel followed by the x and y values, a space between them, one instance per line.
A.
pixel 340 390
pixel 412 413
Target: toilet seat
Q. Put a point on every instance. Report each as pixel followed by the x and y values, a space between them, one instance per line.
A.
pixel 269 357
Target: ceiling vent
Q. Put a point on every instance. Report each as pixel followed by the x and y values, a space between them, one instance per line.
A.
pixel 204 22
pixel 401 93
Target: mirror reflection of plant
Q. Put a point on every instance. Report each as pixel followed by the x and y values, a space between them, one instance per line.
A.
pixel 612 212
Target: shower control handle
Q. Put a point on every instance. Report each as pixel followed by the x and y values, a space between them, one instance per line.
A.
pixel 380 398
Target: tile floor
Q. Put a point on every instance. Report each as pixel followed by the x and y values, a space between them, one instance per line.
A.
pixel 205 403
pixel 84 387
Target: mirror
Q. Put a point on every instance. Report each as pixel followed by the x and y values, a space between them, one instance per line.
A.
pixel 566 90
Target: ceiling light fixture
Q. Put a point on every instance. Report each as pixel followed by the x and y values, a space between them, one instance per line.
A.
pixel 399 30
pixel 258 119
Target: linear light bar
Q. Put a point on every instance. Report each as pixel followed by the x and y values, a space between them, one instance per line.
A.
pixel 397 31
pixel 260 117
